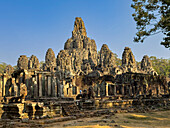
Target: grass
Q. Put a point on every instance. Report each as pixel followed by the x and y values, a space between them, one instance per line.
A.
pixel 138 118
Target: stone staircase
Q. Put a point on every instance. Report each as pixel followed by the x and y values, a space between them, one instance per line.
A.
pixel 88 105
pixel 71 109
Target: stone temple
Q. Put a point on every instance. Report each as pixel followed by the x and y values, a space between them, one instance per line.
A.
pixel 78 78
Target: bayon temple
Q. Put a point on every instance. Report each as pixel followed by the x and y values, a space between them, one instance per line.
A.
pixel 78 78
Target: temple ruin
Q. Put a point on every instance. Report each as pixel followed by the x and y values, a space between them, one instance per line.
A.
pixel 78 74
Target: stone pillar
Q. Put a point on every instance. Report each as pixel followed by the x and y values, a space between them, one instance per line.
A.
pixel 123 89
pixel 61 90
pixel 130 90
pixel 134 91
pixel 70 92
pixel 31 87
pixel 137 91
pixel 107 94
pixel 98 90
pixel 49 85
pixel 55 84
pixel 54 87
pixel 27 83
pixel 4 79
pixel 115 90
pixel 36 87
pixel 46 86
pixel 141 89
pixel 26 78
pixel 158 90
pixel 40 85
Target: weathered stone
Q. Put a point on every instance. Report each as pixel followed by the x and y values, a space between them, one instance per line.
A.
pixel 146 66
pixel 80 52
pixel 9 70
pixel 33 63
pixel 146 63
pixel 23 90
pixel 50 60
pixel 79 68
pixel 22 62
pixel 106 58
pixel 79 27
pixel 64 60
pixel 128 61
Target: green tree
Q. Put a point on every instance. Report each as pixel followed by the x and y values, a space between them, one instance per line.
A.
pixel 2 67
pixel 41 64
pixel 118 60
pixel 161 66
pixel 152 17
pixel 15 67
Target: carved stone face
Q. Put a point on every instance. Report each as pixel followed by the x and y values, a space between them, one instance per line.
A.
pixel 23 62
pixel 33 63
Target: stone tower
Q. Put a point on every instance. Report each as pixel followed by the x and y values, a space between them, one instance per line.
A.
pixel 9 70
pixel 146 66
pixel 128 61
pixel 50 61
pixel 22 62
pixel 80 52
pixel 33 63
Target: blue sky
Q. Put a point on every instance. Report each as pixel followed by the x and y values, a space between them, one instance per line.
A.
pixel 32 26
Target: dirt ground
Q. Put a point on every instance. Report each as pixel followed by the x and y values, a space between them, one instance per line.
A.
pixel 160 119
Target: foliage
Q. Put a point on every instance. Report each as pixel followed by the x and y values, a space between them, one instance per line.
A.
pixel 161 66
pixel 15 67
pixel 41 64
pixel 2 67
pixel 152 17
pixel 118 60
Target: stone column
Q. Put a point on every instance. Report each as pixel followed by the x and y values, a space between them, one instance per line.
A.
pixel 55 91
pixel 61 90
pixel 49 85
pixel 35 89
pixel 40 84
pixel 107 94
pixel 31 87
pixel 130 90
pixel 98 90
pixel 27 80
pixel 134 91
pixel 115 90
pixel 158 90
pixel 141 89
pixel 137 91
pixel 123 89
pixel 70 91
pixel 54 87
pixel 46 86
